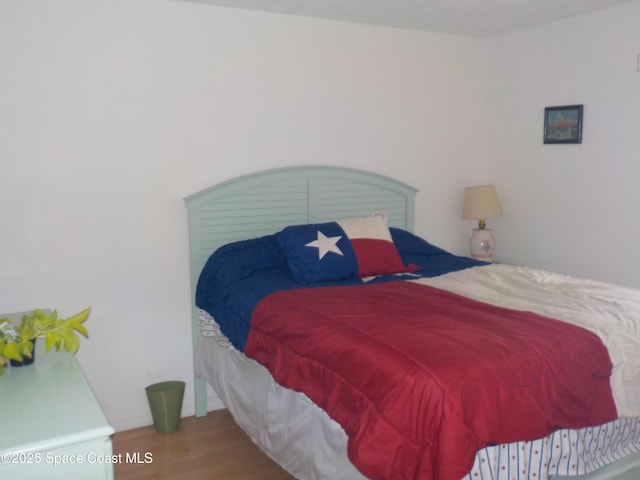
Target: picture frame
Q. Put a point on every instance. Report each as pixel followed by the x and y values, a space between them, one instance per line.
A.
pixel 563 124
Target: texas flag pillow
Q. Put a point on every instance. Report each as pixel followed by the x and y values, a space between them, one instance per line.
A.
pixel 359 247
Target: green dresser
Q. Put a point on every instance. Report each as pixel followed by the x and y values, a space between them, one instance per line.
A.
pixel 51 423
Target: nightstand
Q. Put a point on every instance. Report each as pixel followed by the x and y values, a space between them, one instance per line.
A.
pixel 52 426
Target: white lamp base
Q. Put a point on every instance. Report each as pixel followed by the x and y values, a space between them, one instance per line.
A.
pixel 481 244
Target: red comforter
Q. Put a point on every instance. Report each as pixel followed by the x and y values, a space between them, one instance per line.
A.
pixel 420 378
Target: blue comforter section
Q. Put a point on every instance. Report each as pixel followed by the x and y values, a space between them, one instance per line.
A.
pixel 240 274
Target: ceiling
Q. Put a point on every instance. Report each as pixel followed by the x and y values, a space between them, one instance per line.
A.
pixel 481 18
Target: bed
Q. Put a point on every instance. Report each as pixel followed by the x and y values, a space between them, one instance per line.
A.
pixel 311 442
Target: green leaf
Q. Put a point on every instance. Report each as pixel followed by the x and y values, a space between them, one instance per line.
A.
pixel 12 351
pixel 71 343
pixel 81 329
pixel 26 347
pixel 50 340
pixel 79 317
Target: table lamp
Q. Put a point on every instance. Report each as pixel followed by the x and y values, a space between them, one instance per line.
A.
pixel 480 203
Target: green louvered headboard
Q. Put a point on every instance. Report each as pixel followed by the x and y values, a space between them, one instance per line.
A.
pixel 265 202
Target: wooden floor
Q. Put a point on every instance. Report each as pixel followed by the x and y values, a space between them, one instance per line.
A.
pixel 206 448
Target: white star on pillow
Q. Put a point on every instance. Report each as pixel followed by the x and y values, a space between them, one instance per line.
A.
pixel 325 245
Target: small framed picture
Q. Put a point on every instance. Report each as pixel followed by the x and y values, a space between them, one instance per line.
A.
pixel 563 124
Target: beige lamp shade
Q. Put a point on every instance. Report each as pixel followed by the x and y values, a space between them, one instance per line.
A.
pixel 481 202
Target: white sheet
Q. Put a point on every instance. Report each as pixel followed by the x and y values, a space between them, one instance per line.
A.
pixel 612 312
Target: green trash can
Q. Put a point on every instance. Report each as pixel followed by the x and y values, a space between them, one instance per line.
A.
pixel 165 401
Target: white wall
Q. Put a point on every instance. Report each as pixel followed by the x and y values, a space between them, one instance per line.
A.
pixel 112 111
pixel 570 208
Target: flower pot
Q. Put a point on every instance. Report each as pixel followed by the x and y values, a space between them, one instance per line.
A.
pixel 26 360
